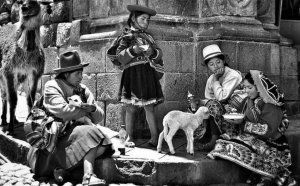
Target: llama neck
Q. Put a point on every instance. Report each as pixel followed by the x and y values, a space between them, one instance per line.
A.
pixel 29 40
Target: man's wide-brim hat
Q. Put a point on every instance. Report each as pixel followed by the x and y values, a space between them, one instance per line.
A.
pixel 211 51
pixel 138 8
pixel 268 91
pixel 69 61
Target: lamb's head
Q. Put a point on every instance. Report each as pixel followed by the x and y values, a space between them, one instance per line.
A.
pixel 75 101
pixel 204 112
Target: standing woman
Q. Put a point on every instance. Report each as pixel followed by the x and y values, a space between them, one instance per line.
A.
pixel 141 60
pixel 79 144
pixel 218 91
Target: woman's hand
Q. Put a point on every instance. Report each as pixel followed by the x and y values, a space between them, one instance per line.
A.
pixel 218 73
pixel 88 107
pixel 149 51
pixel 137 49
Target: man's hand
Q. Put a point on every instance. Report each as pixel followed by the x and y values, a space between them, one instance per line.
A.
pixel 88 107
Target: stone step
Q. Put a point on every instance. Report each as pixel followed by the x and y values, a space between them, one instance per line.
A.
pixel 142 165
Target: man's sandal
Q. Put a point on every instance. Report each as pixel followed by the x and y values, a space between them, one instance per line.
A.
pixel 90 179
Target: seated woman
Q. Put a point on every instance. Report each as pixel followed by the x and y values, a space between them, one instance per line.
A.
pixel 78 144
pixel 261 145
pixel 219 88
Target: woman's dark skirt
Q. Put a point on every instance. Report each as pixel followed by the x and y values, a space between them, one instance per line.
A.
pixel 140 86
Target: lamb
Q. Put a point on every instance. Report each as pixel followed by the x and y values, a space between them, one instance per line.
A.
pixel 22 59
pixel 75 101
pixel 188 122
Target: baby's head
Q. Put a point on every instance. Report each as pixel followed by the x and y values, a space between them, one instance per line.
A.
pixel 75 101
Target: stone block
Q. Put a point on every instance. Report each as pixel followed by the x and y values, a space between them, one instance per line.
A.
pixel 211 8
pixel 274 63
pixel 177 85
pixel 80 8
pixel 179 7
pixel 99 9
pixel 178 56
pixel 63 34
pixel 60 13
pixel 289 63
pixel 254 55
pixel 200 80
pixel 117 7
pixel 75 32
pixel 51 59
pixel 115 116
pixel 90 80
pixel 95 54
pixel 108 86
pixel 48 35
pixel 290 86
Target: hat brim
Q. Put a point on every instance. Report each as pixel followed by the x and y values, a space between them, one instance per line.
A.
pixel 205 61
pixel 255 74
pixel 60 70
pixel 134 8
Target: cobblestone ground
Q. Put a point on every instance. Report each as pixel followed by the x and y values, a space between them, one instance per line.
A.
pixel 20 175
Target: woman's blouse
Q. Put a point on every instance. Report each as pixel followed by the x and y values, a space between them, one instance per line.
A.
pixel 262 119
pixel 222 89
pixel 126 55
pixel 56 93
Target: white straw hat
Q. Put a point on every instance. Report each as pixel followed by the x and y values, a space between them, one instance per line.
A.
pixel 211 51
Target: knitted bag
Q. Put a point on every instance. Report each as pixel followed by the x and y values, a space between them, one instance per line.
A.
pixel 41 128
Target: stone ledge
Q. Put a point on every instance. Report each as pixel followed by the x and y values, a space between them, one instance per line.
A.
pixel 143 165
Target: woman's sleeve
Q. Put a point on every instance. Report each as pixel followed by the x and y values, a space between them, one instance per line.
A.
pixel 56 104
pixel 125 52
pixel 224 90
pixel 268 122
pixel 98 114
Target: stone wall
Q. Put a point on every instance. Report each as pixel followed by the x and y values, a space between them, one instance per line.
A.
pixel 245 30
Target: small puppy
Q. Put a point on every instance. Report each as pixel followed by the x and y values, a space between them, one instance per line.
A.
pixel 76 101
pixel 188 122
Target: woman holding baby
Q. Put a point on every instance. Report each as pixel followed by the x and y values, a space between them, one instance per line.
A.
pixel 261 146
pixel 78 144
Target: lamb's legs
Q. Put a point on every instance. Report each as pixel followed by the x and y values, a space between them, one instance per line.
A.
pixel 169 138
pixel 187 141
pixel 190 139
pixel 160 141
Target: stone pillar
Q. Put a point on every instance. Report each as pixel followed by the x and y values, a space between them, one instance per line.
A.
pixel 245 29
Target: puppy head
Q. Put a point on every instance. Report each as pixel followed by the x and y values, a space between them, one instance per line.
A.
pixel 75 101
pixel 204 112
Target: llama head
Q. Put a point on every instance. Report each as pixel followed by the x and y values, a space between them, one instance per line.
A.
pixel 30 15
pixel 204 112
pixel 75 101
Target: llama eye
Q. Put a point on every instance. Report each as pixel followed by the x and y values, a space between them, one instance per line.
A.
pixel 76 100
